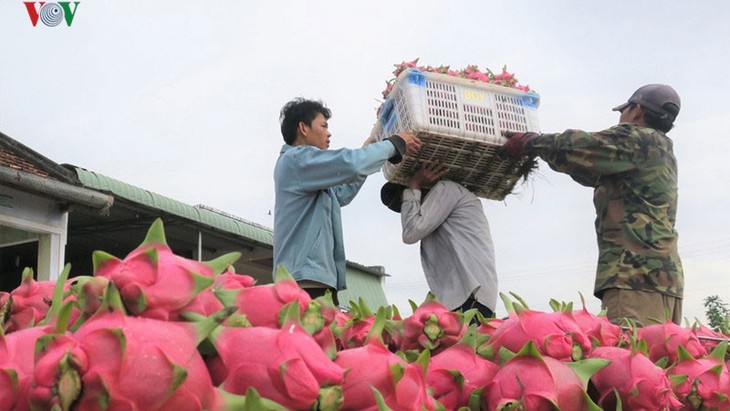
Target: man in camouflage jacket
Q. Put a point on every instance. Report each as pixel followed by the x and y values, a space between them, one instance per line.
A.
pixel 633 171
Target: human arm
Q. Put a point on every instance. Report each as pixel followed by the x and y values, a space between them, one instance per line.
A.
pixel 421 218
pixel 585 156
pixel 310 169
pixel 405 142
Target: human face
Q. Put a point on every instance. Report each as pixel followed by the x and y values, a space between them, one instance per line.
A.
pixel 317 134
pixel 630 114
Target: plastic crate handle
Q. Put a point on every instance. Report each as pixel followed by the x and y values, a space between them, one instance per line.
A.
pixel 388 115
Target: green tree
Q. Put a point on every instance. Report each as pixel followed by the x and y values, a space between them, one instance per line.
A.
pixel 716 311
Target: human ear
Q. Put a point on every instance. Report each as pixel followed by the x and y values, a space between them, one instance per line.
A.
pixel 302 128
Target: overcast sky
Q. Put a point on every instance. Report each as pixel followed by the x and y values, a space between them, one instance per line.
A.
pixel 182 98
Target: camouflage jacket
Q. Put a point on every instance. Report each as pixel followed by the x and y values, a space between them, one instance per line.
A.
pixel 634 175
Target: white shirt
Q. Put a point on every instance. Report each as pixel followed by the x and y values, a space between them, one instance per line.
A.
pixel 457 253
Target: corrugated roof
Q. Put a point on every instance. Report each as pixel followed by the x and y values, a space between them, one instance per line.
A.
pixel 200 214
pixel 361 284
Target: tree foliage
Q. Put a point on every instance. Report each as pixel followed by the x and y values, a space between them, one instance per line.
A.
pixel 717 312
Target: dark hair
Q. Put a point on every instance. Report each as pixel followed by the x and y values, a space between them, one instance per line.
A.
pixel 297 111
pixel 661 122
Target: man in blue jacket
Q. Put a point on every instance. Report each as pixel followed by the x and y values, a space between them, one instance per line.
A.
pixel 311 184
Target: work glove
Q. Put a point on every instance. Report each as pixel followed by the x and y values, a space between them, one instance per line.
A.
pixel 516 145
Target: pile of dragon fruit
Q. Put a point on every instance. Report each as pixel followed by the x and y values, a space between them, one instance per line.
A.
pixel 471 72
pixel 156 331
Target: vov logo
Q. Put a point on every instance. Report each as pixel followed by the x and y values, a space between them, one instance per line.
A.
pixel 51 14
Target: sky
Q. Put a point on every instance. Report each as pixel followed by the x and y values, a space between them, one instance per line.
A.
pixel 182 98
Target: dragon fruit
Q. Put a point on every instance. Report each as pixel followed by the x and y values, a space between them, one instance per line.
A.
pixel 703 383
pixel 115 357
pixel 489 325
pixel 354 332
pixel 432 326
pixel 17 352
pixel 555 334
pixel 284 365
pixel 664 339
pixel 596 327
pixel 634 378
pixel 530 381
pixel 27 304
pixel 457 374
pixel 19 349
pixel 153 281
pixel 708 337
pixel 262 304
pixel 206 303
pixel 376 378
pixel 320 320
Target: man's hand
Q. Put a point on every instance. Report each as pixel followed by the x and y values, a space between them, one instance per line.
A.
pixel 413 143
pixel 428 174
pixel 516 145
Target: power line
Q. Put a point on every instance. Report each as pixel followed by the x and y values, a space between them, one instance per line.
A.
pixel 719 247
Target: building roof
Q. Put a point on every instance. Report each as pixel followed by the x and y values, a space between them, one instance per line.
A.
pixel 200 214
pixel 17 156
pixel 25 169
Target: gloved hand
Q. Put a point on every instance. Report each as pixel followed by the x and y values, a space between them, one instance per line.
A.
pixel 516 145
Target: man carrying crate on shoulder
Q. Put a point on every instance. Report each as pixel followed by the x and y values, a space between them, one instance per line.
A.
pixel 311 184
pixel 633 171
pixel 457 254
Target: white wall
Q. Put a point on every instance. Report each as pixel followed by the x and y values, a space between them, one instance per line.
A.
pixel 42 217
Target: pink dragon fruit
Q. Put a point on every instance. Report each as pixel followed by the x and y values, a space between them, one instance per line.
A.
pixel 320 321
pixel 530 381
pixel 115 357
pixel 488 326
pixel 262 304
pixel 5 308
pixel 19 349
pixel 17 352
pixel 555 334
pixel 376 378
pixel 431 326
pixel 206 303
pixel 284 365
pixel 153 281
pixel 399 68
pixel 708 337
pixel 664 339
pixel 703 383
pixel 251 401
pixel 457 374
pixel 28 304
pixel 596 327
pixel 638 382
pixel 372 366
pixel 471 72
pixel 353 333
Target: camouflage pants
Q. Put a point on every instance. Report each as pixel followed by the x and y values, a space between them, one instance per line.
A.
pixel 640 306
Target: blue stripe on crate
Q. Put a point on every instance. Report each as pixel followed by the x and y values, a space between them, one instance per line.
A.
pixel 416 77
pixel 530 100
pixel 388 115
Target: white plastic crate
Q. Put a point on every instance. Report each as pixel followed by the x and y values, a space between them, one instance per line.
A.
pixel 460 123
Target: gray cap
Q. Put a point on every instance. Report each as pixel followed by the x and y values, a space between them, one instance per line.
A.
pixel 659 98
